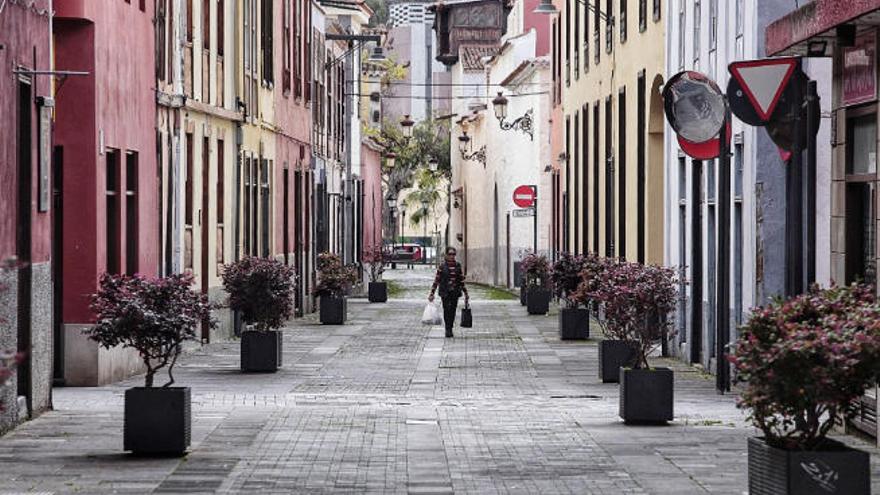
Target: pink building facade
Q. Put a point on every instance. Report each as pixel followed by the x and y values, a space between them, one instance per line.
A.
pixel 105 148
pixel 26 295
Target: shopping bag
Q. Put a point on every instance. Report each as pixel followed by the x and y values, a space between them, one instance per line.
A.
pixel 431 315
pixel 467 319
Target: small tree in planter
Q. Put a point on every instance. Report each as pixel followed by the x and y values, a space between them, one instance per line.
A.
pixel 574 321
pixel 614 350
pixel 536 278
pixel 803 363
pixel 636 300
pixel 262 290
pixel 334 282
pixel 375 259
pixel 154 317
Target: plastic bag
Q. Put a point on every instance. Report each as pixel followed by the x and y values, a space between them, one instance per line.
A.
pixel 431 315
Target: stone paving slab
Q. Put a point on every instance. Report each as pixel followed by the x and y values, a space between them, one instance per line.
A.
pixel 386 405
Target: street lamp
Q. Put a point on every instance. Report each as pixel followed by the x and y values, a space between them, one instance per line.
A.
pixel 407 125
pixel 464 146
pixel 433 164
pixel 523 123
pixel 390 158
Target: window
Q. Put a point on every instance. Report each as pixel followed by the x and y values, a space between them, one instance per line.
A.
pixel 131 213
pixel 111 192
pixel 740 24
pixel 267 21
pixel 554 60
pixel 161 42
pixel 586 37
pixel 609 29
pixel 643 15
pixel 862 145
pixel 622 21
pixel 206 25
pixel 656 10
pixel 296 54
pixel 861 195
pixel 597 30
pixel 189 21
pixel 286 74
pixel 621 173
pixel 568 184
pixel 681 30
pixel 221 27
pixel 568 42
pixel 698 11
pixel 713 24
pixel 577 36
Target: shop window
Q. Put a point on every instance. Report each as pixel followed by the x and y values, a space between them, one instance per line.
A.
pixel 861 196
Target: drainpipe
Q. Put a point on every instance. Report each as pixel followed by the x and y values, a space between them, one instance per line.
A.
pixel 176 160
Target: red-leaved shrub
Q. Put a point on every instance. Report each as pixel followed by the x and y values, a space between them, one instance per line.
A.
pixel 334 278
pixel 375 259
pixel 535 270
pixel 804 361
pixel 152 316
pixel 262 289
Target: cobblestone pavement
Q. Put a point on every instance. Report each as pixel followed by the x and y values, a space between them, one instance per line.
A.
pixel 386 405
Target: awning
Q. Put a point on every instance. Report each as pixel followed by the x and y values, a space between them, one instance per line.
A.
pixel 816 21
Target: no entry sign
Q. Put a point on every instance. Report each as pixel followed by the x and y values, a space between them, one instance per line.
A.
pixel 524 196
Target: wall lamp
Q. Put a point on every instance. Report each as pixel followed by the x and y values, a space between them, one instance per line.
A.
pixel 523 123
pixel 465 146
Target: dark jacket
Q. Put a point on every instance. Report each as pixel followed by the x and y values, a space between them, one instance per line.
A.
pixel 449 284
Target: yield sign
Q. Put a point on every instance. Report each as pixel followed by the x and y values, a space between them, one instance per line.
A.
pixel 764 81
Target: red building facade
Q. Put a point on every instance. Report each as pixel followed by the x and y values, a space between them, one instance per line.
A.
pixel 105 147
pixel 293 144
pixel 26 203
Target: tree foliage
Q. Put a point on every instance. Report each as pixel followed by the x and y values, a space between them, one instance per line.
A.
pixel 262 289
pixel 152 316
pixel 804 361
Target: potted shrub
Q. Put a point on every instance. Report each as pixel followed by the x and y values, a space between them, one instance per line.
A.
pixel 614 351
pixel 574 320
pixel 334 281
pixel 802 364
pixel 536 277
pixel 154 317
pixel 636 300
pixel 374 258
pixel 261 291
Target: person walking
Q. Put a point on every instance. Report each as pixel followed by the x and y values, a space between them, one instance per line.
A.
pixel 450 280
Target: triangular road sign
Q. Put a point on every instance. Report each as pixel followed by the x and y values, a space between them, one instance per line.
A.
pixel 763 81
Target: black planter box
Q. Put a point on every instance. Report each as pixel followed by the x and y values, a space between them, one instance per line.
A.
pixel 538 300
pixel 261 351
pixel 377 292
pixel 837 469
pixel 614 354
pixel 646 395
pixel 333 310
pixel 523 295
pixel 574 324
pixel 157 420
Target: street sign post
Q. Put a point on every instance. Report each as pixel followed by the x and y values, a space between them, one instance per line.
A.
pixel 526 196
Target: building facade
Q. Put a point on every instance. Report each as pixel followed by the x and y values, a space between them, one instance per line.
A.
pixel 105 152
pixel 706 36
pixel 610 73
pixel 846 32
pixel 27 294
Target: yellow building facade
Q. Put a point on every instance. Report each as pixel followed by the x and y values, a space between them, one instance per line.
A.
pixel 609 58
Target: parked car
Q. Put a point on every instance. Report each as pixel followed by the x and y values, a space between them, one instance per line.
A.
pixel 406 253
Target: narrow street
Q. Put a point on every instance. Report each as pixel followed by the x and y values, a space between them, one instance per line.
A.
pixel 386 405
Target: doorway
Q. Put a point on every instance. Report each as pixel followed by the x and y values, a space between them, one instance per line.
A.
pixel 23 236
pixel 57 265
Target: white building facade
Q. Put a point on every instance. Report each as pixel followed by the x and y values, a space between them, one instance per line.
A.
pixel 706 36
